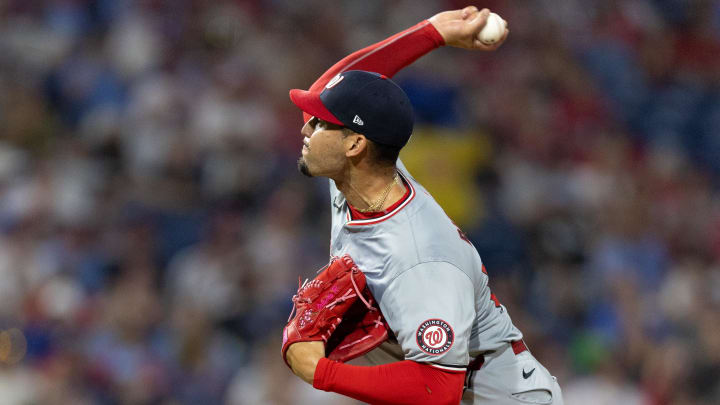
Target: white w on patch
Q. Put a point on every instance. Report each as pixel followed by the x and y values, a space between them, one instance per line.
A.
pixel 358 120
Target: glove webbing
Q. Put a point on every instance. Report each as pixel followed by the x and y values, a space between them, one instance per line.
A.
pixel 298 299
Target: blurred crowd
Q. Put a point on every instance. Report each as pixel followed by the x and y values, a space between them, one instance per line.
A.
pixel 153 223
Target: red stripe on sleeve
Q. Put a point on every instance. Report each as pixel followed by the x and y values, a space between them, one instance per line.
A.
pixel 386 57
pixel 404 382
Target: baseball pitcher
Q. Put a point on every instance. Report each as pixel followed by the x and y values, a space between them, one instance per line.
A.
pixel 407 281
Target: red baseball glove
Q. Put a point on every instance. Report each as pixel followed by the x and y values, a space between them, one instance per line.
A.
pixel 337 308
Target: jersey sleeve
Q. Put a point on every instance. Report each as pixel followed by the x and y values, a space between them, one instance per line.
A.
pixel 388 56
pixel 431 308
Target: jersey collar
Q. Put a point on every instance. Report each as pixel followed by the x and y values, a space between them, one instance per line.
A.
pixel 389 214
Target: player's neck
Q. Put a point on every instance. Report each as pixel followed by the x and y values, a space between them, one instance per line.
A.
pixel 364 189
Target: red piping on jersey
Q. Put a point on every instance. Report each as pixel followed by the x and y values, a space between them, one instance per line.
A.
pixel 357 215
pixel 456 370
pixel 403 204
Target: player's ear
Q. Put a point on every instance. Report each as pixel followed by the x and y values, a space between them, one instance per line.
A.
pixel 355 144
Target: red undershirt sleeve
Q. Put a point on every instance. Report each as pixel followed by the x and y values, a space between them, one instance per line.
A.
pixel 387 57
pixel 403 382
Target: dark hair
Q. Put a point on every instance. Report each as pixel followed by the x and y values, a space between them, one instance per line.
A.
pixel 383 155
pixel 380 155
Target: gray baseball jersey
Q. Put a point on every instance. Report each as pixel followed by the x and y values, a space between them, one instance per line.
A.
pixel 427 277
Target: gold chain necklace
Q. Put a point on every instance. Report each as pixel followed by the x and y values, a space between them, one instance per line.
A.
pixel 374 207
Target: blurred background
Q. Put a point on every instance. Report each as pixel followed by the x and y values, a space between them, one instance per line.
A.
pixel 153 223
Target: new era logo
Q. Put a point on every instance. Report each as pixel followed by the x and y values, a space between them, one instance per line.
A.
pixel 358 121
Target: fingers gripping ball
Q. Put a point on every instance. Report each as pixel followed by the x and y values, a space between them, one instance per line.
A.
pixel 493 30
pixel 338 309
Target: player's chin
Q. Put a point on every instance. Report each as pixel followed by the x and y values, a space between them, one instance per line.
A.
pixel 303 167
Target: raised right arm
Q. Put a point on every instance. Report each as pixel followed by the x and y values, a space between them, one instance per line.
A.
pixel 458 28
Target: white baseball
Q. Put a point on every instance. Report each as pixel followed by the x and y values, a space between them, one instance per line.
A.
pixel 493 30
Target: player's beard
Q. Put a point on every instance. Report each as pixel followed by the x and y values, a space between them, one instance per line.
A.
pixel 303 167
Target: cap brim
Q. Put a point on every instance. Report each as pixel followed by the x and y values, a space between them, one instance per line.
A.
pixel 311 104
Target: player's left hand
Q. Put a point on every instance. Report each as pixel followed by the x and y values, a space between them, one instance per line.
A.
pixel 303 358
pixel 460 28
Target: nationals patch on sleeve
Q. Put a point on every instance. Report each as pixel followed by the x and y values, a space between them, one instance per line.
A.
pixel 435 336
